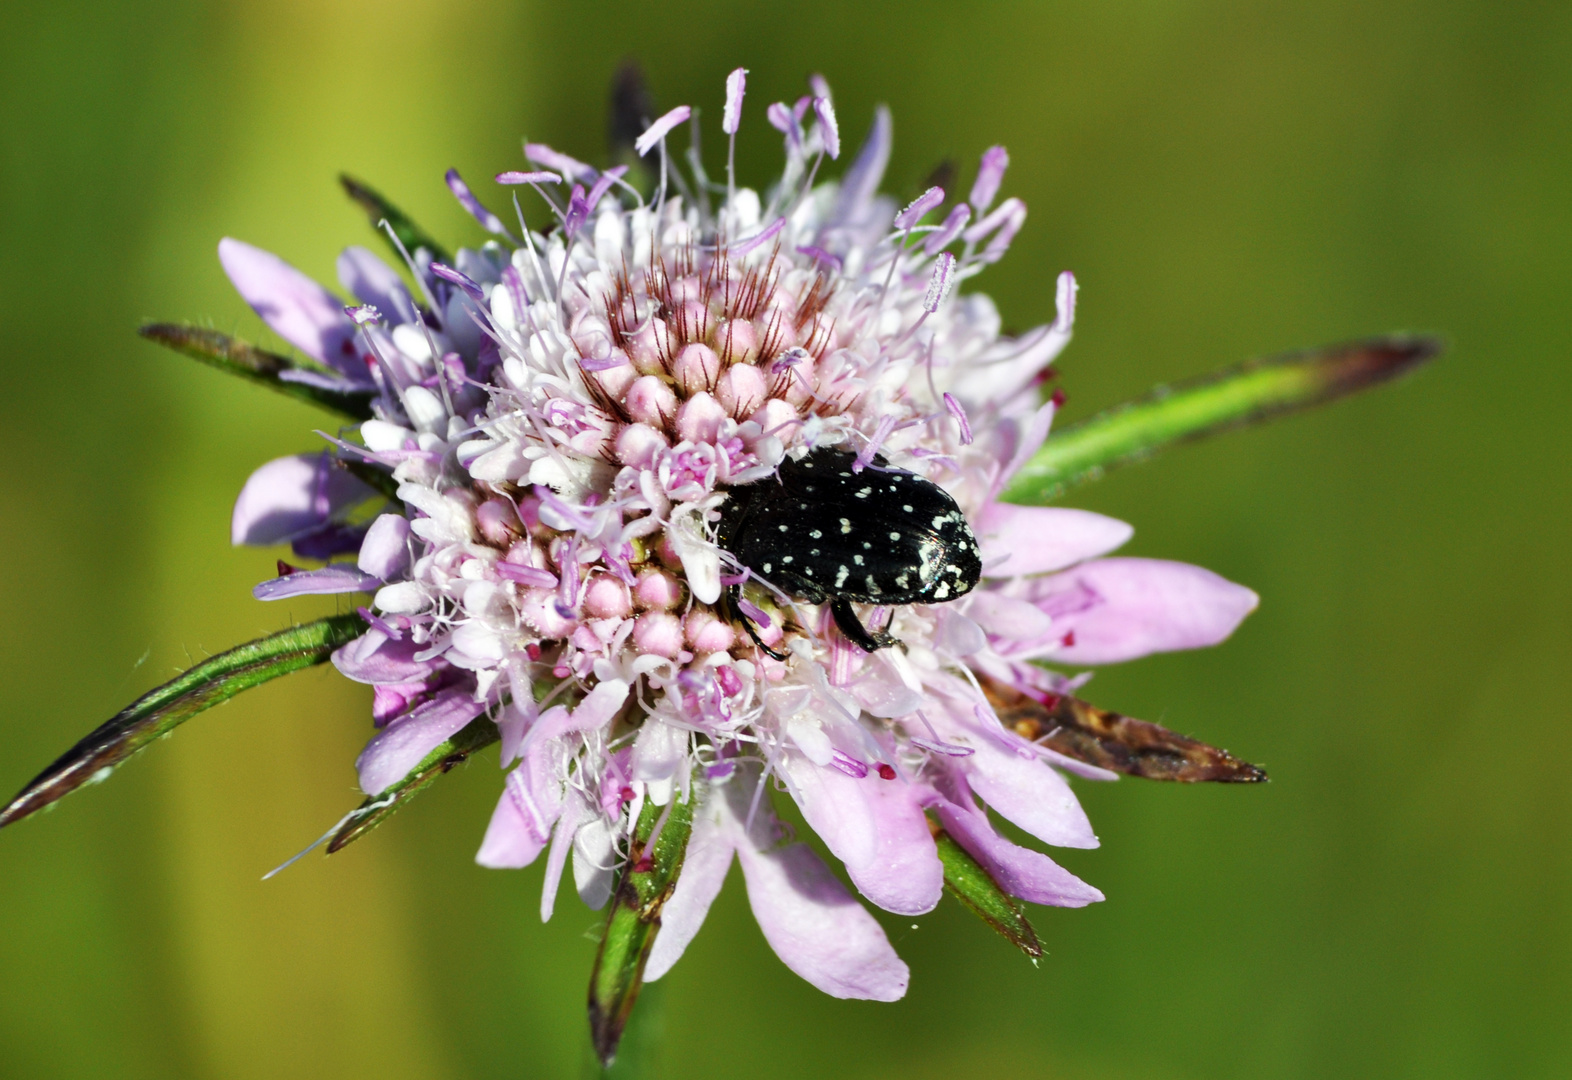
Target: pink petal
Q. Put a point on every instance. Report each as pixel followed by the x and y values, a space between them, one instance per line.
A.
pixel 385 550
pixel 291 496
pixel 1119 609
pixel 510 842
pixel 299 310
pixel 400 746
pixel 374 282
pixel 1005 616
pixel 817 927
pixel 1029 793
pixel 561 842
pixel 373 658
pixel 703 873
pixel 1035 539
pixel 875 827
pixel 338 578
pixel 1021 872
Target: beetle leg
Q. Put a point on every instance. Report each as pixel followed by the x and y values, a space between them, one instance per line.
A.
pixel 730 597
pixel 852 627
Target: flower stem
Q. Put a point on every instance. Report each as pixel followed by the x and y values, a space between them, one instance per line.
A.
pixel 160 711
pixel 647 880
pixel 1254 391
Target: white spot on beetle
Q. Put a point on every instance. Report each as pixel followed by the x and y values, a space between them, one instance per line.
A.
pixel 845 525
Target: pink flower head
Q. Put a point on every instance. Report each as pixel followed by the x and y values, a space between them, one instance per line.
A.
pixel 563 422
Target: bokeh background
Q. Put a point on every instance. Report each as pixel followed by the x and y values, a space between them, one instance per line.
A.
pixel 1228 178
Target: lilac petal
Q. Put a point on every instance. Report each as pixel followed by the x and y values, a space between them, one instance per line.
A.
pixel 521 825
pixel 400 746
pixel 299 310
pixel 860 185
pixel 660 128
pixel 1029 793
pixel 1118 609
pixel 329 540
pixel 373 658
pixel 875 828
pixel 1007 617
pixel 704 868
pixel 372 281
pixel 817 927
pixel 1021 872
pixel 339 578
pixel 561 842
pixel 385 550
pixel 292 496
pixel 1035 539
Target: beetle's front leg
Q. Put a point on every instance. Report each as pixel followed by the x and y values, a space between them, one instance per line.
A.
pixel 855 631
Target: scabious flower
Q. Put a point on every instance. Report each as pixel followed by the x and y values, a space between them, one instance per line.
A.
pixel 559 416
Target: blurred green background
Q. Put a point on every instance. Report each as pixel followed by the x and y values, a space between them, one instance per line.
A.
pixel 1226 178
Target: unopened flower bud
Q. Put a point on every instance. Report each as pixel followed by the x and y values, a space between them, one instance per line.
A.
pixel 741 390
pixel 606 597
pixel 649 346
pixel 498 521
pixel 706 633
pixel 696 368
pixel 737 342
pixel 700 418
pixel 775 418
pixel 651 401
pixel 658 632
pixel 657 590
pixel 637 445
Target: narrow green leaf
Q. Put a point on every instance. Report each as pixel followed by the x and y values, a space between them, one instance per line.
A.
pixel 374 811
pixel 634 920
pixel 378 209
pixel 264 368
pixel 160 711
pixel 1254 391
pixel 973 886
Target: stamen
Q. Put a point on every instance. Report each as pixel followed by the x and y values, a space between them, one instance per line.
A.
pixel 736 86
pixel 939 284
pixel 462 280
pixel 831 130
pixel 537 177
pixel 660 128
pixel 488 221
pixel 989 175
pixel 960 418
pixel 918 207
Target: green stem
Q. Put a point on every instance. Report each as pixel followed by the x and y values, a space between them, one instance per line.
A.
pixel 256 365
pixel 160 711
pixel 634 920
pixel 1254 391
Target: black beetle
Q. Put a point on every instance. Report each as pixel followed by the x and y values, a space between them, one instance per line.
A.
pixel 825 531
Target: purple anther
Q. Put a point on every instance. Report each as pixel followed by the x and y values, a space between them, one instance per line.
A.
pixel 821 255
pixel 753 614
pixel 960 418
pixel 567 517
pixel 602 363
pixel 736 86
pixel 827 124
pixel 1064 301
pixel 819 85
pixel 848 765
pixel 578 212
pixel 720 770
pixel 539 176
pixel 488 221
pixel 735 579
pixel 1001 214
pixel 527 575
pixel 919 206
pixel 462 280
pixel 730 682
pixel 954 222
pixel 990 174
pixel 763 236
pixel 1007 230
pixel 780 117
pixel 788 359
pixel 660 129
pixel 947 749
pixel 939 283
pixel 570 167
pixel 880 433
pixel 364 315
